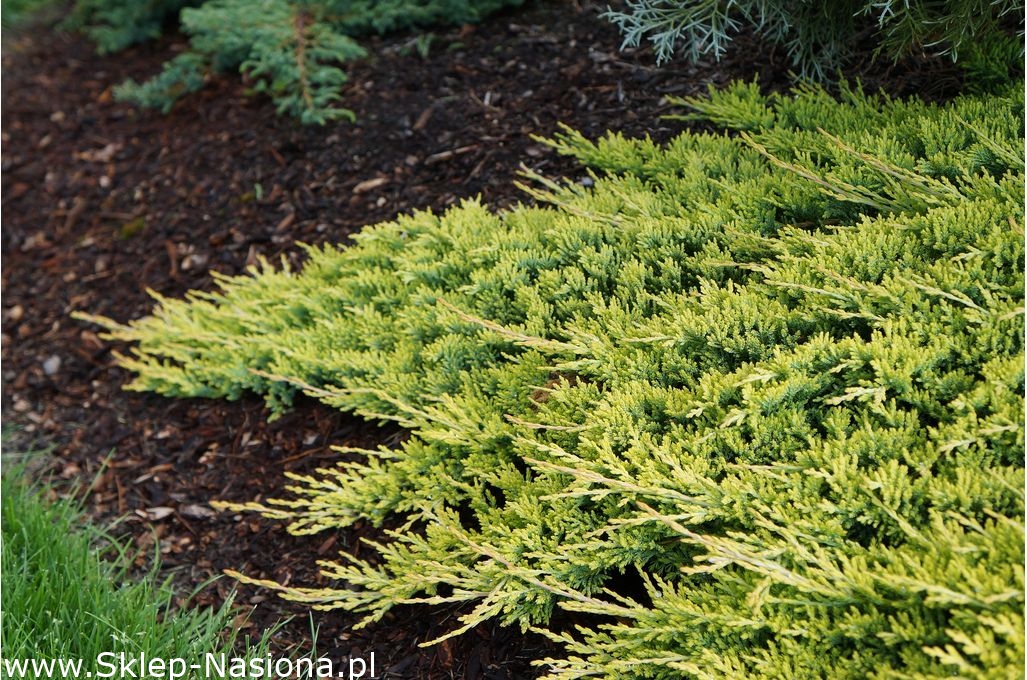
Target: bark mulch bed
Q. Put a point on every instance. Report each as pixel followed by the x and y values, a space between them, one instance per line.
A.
pixel 102 202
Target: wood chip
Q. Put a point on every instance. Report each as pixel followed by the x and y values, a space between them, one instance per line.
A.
pixel 422 120
pixel 172 251
pixel 197 511
pixel 327 544
pixel 277 156
pixel 102 155
pixel 286 222
pixel 446 155
pixel 370 185
pixel 156 514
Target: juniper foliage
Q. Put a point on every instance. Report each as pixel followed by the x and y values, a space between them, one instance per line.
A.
pixel 755 401
pixel 820 35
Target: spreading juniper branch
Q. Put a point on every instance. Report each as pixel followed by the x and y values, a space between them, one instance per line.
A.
pixel 790 415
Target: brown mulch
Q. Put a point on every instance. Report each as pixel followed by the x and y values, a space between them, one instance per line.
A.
pixel 102 202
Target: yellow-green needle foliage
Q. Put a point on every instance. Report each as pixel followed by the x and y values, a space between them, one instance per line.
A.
pixel 754 402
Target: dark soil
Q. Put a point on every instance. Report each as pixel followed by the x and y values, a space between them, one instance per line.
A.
pixel 102 202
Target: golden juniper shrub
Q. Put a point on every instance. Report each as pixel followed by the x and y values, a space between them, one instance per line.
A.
pixel 754 400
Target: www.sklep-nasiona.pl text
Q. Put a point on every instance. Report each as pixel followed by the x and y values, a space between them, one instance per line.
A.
pixel 122 665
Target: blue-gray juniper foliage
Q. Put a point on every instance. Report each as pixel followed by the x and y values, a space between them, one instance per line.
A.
pixel 819 36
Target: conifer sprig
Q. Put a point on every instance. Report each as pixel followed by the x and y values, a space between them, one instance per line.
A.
pixel 292 50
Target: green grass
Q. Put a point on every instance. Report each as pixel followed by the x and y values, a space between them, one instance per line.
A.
pixel 63 598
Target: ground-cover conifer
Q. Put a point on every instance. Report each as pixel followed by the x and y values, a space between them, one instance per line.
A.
pixel 752 404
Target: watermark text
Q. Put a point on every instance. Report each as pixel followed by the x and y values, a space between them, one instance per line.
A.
pixel 123 665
